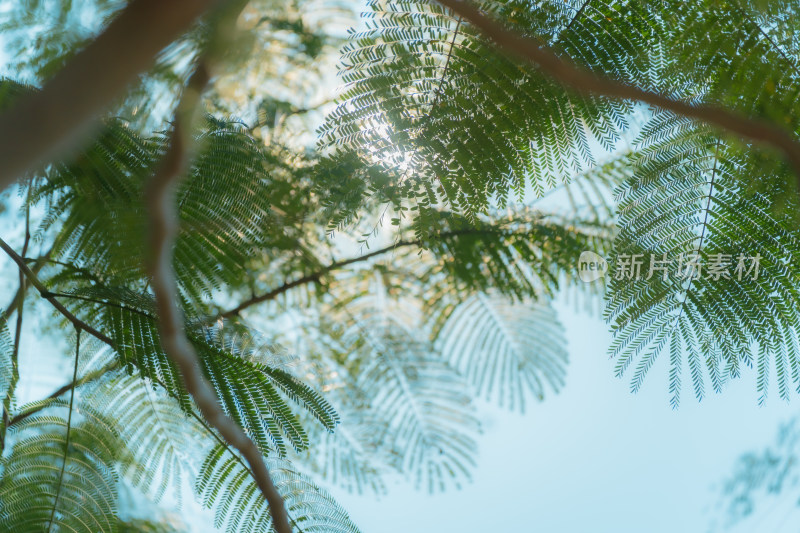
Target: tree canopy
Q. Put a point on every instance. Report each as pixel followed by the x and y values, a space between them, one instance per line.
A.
pixel 258 273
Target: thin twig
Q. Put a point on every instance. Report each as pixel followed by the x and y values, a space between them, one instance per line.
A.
pixel 584 81
pixel 49 296
pixel 75 383
pixel 337 265
pixel 96 374
pixel 315 276
pixel 12 385
pixel 16 301
pixel 163 221
pixel 69 428
pixel 33 280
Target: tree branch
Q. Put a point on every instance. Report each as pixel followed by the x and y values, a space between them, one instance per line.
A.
pixel 315 276
pixel 96 374
pixel 67 387
pixel 586 82
pixel 49 296
pixel 274 293
pixel 16 301
pixel 56 119
pixel 163 221
pixel 32 279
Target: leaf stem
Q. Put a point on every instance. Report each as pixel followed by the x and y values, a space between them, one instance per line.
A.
pixel 69 427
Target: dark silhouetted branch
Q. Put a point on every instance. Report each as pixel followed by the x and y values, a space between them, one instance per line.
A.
pixel 49 296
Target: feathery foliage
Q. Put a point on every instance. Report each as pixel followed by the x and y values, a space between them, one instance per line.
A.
pixel 6 364
pixel 61 474
pixel 717 303
pixel 423 397
pixel 161 438
pixel 769 473
pixel 251 392
pixel 498 178
pixel 505 350
pixel 224 483
pixel 426 95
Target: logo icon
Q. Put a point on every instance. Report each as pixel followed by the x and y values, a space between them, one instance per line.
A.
pixel 591 266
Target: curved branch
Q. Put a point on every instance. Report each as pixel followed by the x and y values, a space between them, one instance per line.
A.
pixel 57 118
pixel 277 291
pixel 16 301
pixel 579 79
pixel 96 374
pixel 337 265
pixel 163 222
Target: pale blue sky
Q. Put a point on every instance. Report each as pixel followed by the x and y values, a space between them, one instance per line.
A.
pixel 598 458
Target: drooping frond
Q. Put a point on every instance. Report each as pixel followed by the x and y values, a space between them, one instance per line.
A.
pixel 724 284
pixel 6 365
pixel 224 484
pixel 589 194
pixel 257 353
pixel 520 253
pixel 238 205
pixel 160 436
pixel 95 202
pixel 60 476
pixel 252 393
pixel 353 457
pixel 735 55
pixel 424 401
pixel 404 408
pixel 241 203
pixel 506 350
